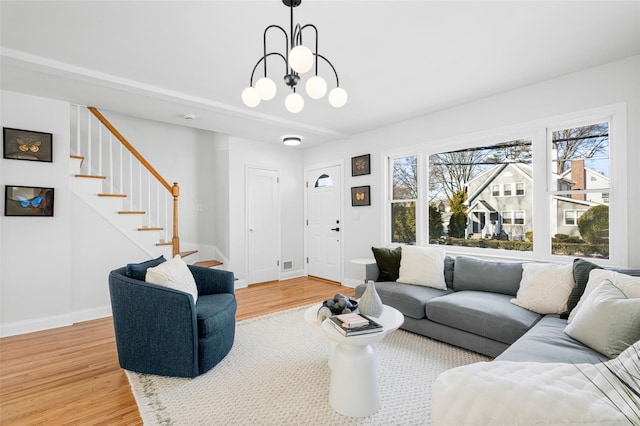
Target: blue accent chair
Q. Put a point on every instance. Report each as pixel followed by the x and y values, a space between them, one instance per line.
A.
pixel 161 331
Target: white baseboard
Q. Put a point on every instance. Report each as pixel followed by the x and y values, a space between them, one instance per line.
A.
pixel 350 282
pixel 292 274
pixel 92 314
pixel 36 324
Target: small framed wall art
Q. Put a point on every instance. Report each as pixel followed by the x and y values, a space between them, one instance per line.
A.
pixel 360 196
pixel 27 145
pixel 361 165
pixel 28 201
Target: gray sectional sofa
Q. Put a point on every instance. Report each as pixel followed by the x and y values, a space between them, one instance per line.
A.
pixel 475 313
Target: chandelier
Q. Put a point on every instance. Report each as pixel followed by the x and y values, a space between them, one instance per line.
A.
pixel 298 59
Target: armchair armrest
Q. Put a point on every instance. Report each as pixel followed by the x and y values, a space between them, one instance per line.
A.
pixel 212 281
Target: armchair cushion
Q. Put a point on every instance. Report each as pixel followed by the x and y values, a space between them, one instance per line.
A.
pixel 175 274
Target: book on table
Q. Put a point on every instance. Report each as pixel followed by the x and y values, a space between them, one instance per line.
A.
pixel 354 324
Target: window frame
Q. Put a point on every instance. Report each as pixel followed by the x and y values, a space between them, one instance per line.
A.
pixel 538 131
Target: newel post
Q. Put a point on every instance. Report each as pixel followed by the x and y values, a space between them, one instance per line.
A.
pixel 175 192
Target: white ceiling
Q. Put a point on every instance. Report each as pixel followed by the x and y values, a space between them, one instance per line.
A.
pixel 396 59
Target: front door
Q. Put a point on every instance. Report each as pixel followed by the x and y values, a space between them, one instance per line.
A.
pixel 324 227
pixel 263 239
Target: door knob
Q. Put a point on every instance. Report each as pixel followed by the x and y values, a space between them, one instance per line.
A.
pixel 335 229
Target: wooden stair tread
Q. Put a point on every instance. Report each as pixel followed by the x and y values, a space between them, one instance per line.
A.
pixel 90 176
pixel 79 157
pixel 131 212
pixel 187 253
pixel 149 228
pixel 208 263
pixel 113 195
pixel 166 243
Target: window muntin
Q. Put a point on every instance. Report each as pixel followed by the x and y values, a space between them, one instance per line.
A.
pixel 506 189
pixel 571 217
pixel 520 188
pixel 495 190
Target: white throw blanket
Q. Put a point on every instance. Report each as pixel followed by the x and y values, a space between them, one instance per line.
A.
pixel 527 393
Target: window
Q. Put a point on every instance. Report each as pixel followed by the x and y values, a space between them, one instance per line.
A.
pixel 478 182
pixel 323 181
pixel 404 195
pixel 571 217
pixel 484 198
pixel 579 206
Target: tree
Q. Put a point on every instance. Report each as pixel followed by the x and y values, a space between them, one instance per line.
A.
pixel 458 220
pixel 593 225
pixel 580 142
pixel 436 230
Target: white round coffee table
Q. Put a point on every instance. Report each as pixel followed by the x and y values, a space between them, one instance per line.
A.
pixel 354 389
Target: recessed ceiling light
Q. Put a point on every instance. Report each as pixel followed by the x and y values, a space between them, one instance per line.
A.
pixel 291 140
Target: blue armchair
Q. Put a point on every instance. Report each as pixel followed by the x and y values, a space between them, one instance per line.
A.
pixel 161 331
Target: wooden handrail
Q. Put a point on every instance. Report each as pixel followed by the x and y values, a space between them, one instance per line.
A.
pixel 173 189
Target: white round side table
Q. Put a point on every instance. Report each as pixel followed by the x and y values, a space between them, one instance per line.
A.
pixel 354 389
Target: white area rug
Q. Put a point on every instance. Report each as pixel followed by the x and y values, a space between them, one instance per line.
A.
pixel 277 373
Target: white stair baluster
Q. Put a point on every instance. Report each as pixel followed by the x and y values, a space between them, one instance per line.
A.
pixel 88 142
pixel 111 176
pixel 78 151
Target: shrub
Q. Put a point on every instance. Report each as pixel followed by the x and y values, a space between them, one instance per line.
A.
pixel 594 225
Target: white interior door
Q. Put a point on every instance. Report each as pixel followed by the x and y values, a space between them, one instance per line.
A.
pixel 324 229
pixel 263 220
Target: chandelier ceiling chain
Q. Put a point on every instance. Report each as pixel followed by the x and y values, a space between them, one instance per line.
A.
pixel 298 59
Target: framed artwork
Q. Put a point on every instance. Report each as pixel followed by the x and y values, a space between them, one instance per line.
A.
pixel 27 145
pixel 360 196
pixel 28 201
pixel 361 165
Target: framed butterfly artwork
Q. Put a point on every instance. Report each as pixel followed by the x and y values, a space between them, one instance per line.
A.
pixel 361 165
pixel 28 201
pixel 360 196
pixel 27 145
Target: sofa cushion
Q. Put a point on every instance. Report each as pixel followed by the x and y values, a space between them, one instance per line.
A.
pixel 485 314
pixel 213 312
pixel 545 287
pixel 422 266
pixel 388 261
pixel 408 299
pixel 608 321
pixel 547 342
pixel 137 271
pixel 482 275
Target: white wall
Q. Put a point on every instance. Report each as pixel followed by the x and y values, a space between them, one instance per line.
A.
pixel 609 84
pixel 288 162
pixel 35 283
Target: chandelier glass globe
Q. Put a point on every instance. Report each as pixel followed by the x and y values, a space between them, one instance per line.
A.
pixel 251 97
pixel 300 59
pixel 316 87
pixel 338 97
pixel 266 88
pixel 294 102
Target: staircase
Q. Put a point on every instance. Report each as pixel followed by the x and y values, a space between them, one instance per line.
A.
pixel 111 176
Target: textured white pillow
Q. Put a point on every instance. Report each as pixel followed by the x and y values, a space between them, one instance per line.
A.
pixel 422 266
pixel 608 321
pixel 174 274
pixel 629 285
pixel 545 287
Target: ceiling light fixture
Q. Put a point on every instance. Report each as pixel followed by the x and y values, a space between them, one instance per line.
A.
pixel 291 140
pixel 298 59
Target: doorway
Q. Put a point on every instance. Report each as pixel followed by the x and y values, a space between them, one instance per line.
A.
pixel 324 223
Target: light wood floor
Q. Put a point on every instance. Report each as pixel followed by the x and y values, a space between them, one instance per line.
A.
pixel 71 375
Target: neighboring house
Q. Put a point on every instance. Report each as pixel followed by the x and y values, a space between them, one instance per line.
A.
pixel 500 200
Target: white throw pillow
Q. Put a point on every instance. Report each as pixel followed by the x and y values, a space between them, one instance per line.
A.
pixel 629 285
pixel 174 274
pixel 608 321
pixel 545 287
pixel 422 266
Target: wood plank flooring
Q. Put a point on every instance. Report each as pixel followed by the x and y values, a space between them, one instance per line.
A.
pixel 71 375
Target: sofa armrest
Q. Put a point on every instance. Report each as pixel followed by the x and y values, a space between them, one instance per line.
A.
pixel 212 281
pixel 155 327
